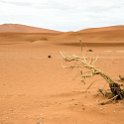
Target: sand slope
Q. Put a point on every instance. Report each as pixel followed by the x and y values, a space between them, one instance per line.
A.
pixel 36 89
pixel 16 28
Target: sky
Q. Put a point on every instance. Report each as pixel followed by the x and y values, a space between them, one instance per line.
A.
pixel 62 15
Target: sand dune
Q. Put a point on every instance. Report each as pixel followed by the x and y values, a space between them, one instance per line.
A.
pixel 114 34
pixel 99 35
pixel 111 28
pixel 16 28
pixel 36 89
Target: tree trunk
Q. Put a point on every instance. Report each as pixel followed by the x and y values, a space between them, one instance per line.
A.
pixel 116 90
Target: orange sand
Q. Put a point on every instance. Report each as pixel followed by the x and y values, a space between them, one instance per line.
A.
pixel 35 89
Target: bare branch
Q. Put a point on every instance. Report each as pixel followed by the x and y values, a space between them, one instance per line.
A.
pixel 88 64
pixel 108 101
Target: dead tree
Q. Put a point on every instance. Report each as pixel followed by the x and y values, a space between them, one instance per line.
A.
pixel 83 62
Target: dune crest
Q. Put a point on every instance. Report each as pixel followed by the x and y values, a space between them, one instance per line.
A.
pixel 102 29
pixel 112 34
pixel 17 28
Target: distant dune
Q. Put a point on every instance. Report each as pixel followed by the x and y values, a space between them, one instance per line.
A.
pixel 102 29
pixel 17 28
pixel 113 34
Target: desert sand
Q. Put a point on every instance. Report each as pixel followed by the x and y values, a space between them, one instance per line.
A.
pixel 36 89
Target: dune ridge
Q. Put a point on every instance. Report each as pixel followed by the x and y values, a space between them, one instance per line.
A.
pixel 112 34
pixel 109 28
pixel 17 28
pixel 13 32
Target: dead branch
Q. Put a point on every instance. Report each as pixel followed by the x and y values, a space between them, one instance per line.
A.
pixel 88 64
pixel 108 101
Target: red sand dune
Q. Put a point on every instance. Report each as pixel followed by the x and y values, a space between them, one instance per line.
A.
pixel 16 28
pixel 114 34
pixel 111 28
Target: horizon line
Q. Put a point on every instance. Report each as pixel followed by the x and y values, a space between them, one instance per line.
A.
pixel 33 26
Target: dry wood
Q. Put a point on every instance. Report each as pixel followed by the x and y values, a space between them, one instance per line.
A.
pixel 108 101
pixel 88 63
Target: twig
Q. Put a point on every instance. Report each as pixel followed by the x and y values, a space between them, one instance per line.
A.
pixel 108 101
pixel 102 92
pixel 90 85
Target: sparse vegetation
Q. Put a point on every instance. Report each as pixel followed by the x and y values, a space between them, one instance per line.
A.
pixel 88 64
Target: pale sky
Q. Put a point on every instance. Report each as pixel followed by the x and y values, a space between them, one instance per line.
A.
pixel 63 15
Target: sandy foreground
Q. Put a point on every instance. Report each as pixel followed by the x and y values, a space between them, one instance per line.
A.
pixel 36 89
